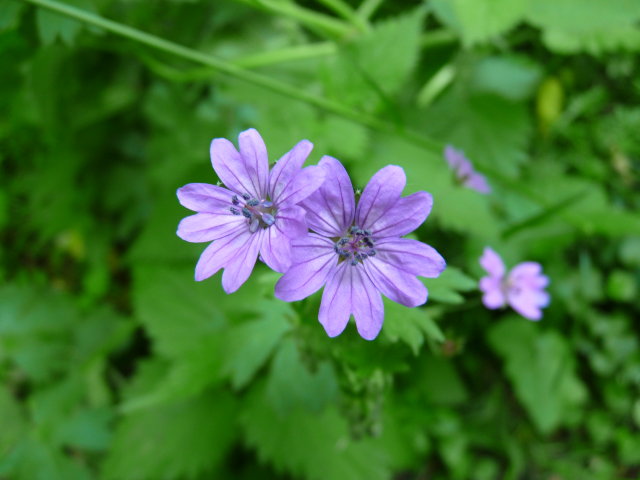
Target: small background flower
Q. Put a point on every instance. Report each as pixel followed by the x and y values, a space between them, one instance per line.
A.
pixel 464 171
pixel 257 212
pixel 522 288
pixel 357 253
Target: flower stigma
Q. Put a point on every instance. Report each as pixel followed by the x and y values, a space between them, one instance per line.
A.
pixel 355 246
pixel 259 213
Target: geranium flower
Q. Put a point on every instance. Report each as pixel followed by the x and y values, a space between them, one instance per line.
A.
pixel 356 252
pixel 257 212
pixel 464 172
pixel 522 288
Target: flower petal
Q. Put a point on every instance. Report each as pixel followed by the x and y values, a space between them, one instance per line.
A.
pixel 276 249
pixel 366 303
pixel 216 255
pixel 380 194
pixel 411 256
pixel 404 217
pixel 256 160
pixel 241 264
pixel 303 184
pixel 202 197
pixel 528 275
pixel 292 221
pixel 331 208
pixel 493 296
pixel 478 182
pixel 398 285
pixel 313 261
pixel 492 263
pixel 287 168
pixel 242 173
pixel 527 302
pixel 205 227
pixel 335 307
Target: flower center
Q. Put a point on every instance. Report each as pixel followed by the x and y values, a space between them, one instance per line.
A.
pixel 355 246
pixel 259 213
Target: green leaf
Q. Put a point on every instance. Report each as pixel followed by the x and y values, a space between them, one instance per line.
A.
pixel 371 69
pixel 53 25
pixel 312 446
pixel 512 77
pixel 185 440
pixel 440 382
pixel 445 288
pixel 410 325
pixel 481 20
pixel 10 11
pixel 291 385
pixel 540 367
pixel 591 25
pixel 249 345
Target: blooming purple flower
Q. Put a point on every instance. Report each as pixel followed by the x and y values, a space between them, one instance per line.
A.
pixel 522 288
pixel 258 212
pixel 356 252
pixel 464 172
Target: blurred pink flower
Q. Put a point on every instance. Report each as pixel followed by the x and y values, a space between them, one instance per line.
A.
pixel 464 172
pixel 522 288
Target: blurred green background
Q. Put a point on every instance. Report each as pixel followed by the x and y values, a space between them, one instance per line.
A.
pixel 116 364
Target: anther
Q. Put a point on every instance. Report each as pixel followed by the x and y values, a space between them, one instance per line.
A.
pixel 235 200
pixel 354 262
pixel 267 204
pixel 246 196
pixel 246 212
pixel 367 232
pixel 234 210
pixel 268 219
pixel 253 202
pixel 254 224
pixel 371 253
pixel 353 230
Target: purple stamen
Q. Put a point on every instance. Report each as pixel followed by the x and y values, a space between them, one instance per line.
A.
pixel 235 200
pixel 356 246
pixel 268 219
pixel 234 210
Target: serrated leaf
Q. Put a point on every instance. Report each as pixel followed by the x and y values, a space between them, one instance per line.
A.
pixel 371 69
pixel 185 440
pixel 249 345
pixel 445 288
pixel 410 325
pixel 575 25
pixel 291 385
pixel 481 20
pixel 540 367
pixel 52 26
pixel 315 447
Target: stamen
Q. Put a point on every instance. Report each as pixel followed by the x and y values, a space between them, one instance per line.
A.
pixel 235 200
pixel 234 210
pixel 253 202
pixel 254 224
pixel 267 204
pixel 371 253
pixel 268 219
pixel 246 196
pixel 246 212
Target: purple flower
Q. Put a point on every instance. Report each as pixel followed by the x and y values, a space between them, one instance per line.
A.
pixel 522 288
pixel 464 172
pixel 258 212
pixel 356 252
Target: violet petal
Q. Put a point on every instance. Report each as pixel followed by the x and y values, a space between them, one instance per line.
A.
pixel 241 263
pixel 313 261
pixel 366 303
pixel 492 262
pixel 411 256
pixel 287 167
pixel 303 184
pixel 380 194
pixel 256 161
pixel 405 216
pixel 202 197
pixel 397 285
pixel 331 208
pixel 205 227
pixel 216 255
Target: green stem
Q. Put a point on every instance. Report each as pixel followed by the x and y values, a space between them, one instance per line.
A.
pixel 298 52
pixel 329 26
pixel 237 72
pixel 345 11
